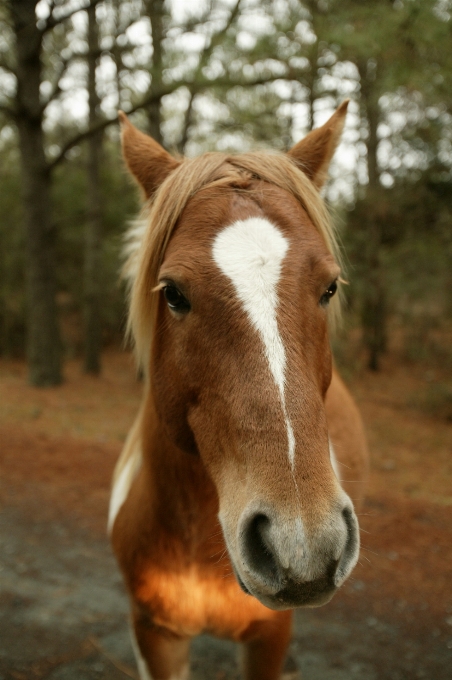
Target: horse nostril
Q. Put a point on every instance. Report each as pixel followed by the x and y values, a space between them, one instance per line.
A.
pixel 350 553
pixel 258 549
pixel 352 534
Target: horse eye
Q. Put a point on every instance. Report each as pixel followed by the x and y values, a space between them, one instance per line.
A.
pixel 328 294
pixel 175 300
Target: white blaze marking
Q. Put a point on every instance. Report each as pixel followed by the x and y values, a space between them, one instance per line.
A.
pixel 250 253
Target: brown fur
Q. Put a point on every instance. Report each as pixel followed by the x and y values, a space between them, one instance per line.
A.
pixel 314 152
pixel 210 433
pixel 218 172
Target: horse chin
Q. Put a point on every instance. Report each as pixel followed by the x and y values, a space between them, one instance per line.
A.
pixel 294 595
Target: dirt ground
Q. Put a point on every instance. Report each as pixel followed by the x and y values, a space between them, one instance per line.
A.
pixel 63 611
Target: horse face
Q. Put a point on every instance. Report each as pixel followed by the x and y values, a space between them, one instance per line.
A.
pixel 240 368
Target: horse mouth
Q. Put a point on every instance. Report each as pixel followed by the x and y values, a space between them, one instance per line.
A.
pixel 294 595
pixel 241 584
pixel 311 594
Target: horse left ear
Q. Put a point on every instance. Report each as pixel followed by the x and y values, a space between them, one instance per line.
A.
pixel 147 161
pixel 314 153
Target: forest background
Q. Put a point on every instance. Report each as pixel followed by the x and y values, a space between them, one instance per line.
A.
pixel 231 75
pixel 227 75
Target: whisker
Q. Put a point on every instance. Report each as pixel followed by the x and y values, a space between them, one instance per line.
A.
pixel 369 550
pixel 223 553
pixel 215 534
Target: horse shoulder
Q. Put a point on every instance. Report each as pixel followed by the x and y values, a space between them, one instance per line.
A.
pixel 348 439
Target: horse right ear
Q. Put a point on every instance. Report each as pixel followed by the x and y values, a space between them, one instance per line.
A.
pixel 147 161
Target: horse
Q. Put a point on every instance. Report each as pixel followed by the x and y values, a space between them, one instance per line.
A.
pixel 231 501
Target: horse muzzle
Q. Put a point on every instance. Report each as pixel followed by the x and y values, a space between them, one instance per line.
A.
pixel 285 565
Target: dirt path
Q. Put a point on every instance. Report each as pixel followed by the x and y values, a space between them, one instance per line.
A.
pixel 63 611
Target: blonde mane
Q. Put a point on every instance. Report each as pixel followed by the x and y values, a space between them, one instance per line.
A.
pixel 148 237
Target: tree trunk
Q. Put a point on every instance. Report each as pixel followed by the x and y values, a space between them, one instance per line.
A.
pixel 43 338
pixel 93 235
pixel 311 81
pixel 188 115
pixel 116 51
pixel 155 12
pixel 373 312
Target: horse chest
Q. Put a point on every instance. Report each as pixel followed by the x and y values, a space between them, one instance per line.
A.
pixel 199 600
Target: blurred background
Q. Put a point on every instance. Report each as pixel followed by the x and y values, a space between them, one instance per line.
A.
pixel 223 75
pixel 229 76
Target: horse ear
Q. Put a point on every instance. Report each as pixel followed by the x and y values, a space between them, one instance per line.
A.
pixel 147 161
pixel 314 153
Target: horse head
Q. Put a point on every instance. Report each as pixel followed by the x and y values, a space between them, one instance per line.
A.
pixel 229 309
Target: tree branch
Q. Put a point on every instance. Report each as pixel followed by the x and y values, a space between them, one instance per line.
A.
pixel 195 88
pixel 53 21
pixel 56 89
pixel 215 40
pixel 10 112
pixel 218 36
pixel 102 125
pixel 196 21
pixel 187 123
pixel 7 67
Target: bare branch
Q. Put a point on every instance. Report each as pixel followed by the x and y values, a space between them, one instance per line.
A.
pixel 10 112
pixel 195 88
pixel 203 60
pixel 119 49
pixel 102 125
pixel 53 21
pixel 193 23
pixel 52 5
pixel 218 36
pixel 6 67
pixel 120 29
pixel 187 122
pixel 56 89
